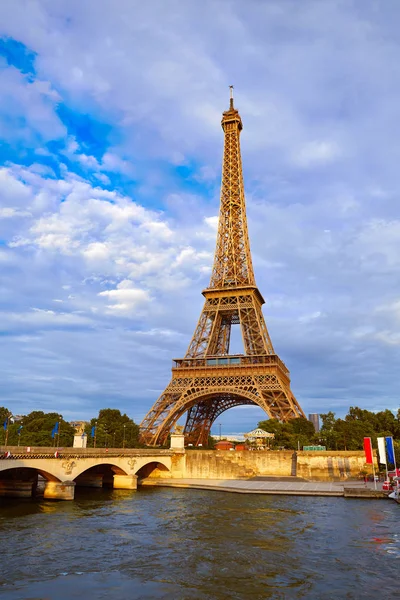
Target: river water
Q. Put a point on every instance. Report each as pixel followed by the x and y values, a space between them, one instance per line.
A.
pixel 195 544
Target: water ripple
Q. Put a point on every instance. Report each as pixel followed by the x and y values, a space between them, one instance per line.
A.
pixel 191 544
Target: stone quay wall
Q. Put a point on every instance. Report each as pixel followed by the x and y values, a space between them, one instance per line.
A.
pixel 315 466
pixel 220 464
pixel 332 465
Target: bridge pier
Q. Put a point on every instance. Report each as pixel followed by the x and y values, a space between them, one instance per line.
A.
pixel 59 490
pixel 125 482
pixel 14 488
pixel 93 481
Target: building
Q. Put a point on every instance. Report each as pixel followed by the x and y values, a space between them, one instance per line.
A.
pixel 314 418
pixel 224 445
pixel 241 447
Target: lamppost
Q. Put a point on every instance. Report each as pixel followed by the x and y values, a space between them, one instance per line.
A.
pixel 93 432
pixel 123 441
pixel 219 431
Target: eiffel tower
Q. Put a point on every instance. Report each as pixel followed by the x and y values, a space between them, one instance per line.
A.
pixel 209 380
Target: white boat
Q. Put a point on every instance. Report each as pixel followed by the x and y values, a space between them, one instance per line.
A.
pixel 395 495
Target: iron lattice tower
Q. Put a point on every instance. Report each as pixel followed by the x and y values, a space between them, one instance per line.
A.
pixel 209 380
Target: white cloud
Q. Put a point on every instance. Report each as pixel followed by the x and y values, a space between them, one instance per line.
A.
pixel 9 212
pixel 316 153
pixel 101 232
pixel 212 222
pixel 30 101
pixel 126 298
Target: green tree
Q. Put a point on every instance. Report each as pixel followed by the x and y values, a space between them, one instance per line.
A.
pixel 4 413
pixel 36 430
pixel 211 442
pixel 351 433
pixel 327 433
pixel 386 421
pixel 290 435
pixel 114 430
pixel 303 426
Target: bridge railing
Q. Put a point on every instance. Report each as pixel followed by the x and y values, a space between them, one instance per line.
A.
pixel 49 452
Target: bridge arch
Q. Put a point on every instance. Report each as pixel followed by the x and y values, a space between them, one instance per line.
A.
pixel 153 469
pixel 84 469
pixel 48 470
pixel 23 472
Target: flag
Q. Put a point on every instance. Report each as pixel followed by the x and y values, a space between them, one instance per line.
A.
pixel 368 451
pixel 93 431
pixel 5 424
pixel 381 450
pixel 390 450
pixel 19 429
pixel 54 431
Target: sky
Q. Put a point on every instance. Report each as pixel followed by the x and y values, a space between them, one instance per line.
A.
pixel 110 163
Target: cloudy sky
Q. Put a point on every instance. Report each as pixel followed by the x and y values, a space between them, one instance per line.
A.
pixel 110 160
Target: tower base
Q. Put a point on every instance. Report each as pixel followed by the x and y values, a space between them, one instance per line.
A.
pixel 206 387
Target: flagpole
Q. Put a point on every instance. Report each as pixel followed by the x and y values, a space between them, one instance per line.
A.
pixel 373 469
pixel 6 441
pixel 395 471
pixel 59 429
pixel 19 434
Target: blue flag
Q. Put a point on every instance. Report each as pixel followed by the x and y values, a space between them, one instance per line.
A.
pixel 390 450
pixel 5 424
pixel 93 431
pixel 54 431
pixel 19 430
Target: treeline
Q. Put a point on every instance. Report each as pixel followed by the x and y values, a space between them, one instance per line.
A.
pixel 112 429
pixel 336 434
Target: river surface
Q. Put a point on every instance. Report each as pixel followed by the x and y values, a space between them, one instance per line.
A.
pixel 194 544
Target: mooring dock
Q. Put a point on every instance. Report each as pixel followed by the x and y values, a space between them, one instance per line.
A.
pixel 278 486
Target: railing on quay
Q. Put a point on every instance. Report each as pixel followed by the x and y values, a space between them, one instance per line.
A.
pixel 231 360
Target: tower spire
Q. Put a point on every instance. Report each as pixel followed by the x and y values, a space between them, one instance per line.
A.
pixel 232 261
pixel 231 96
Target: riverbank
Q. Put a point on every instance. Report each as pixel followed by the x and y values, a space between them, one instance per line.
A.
pixel 280 486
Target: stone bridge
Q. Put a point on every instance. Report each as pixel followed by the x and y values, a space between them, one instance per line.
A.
pixel 55 473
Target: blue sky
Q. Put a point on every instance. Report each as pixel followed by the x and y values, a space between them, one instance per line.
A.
pixel 110 161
